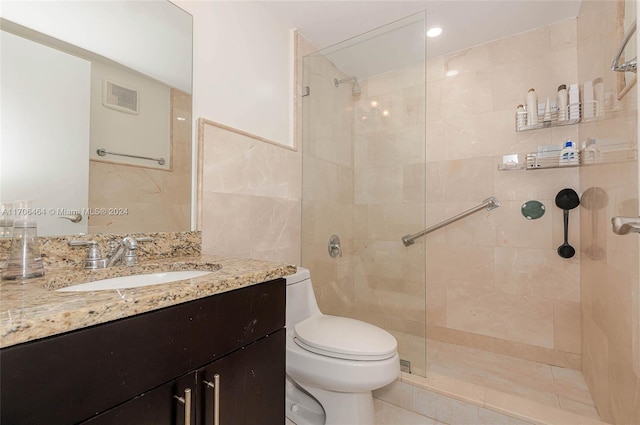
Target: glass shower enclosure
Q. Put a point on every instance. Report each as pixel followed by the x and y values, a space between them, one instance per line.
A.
pixel 363 185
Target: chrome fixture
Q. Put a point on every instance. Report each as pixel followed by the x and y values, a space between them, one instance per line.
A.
pixel 334 246
pixel 355 90
pixel 103 152
pixel 215 386
pixel 124 252
pixel 74 218
pixel 488 204
pixel 625 225
pixel 632 64
pixel 186 400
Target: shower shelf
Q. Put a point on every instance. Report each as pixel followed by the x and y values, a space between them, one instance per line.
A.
pixel 578 108
pixel 593 155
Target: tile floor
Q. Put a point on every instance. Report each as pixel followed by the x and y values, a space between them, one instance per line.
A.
pixel 550 385
pixel 554 386
pixel 388 414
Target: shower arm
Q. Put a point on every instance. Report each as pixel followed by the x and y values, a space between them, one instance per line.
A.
pixel 488 204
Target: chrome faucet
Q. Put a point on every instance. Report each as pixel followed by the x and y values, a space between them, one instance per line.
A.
pixel 124 253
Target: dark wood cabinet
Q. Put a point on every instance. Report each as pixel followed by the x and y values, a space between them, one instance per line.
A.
pixel 158 406
pixel 246 380
pixel 132 370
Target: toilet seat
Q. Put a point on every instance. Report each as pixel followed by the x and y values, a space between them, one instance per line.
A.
pixel 344 338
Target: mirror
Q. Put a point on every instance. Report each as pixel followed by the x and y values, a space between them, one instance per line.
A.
pixel 78 77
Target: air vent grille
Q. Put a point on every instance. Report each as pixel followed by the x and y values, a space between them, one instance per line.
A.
pixel 120 98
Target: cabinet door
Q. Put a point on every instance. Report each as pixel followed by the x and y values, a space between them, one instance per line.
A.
pixel 250 384
pixel 173 403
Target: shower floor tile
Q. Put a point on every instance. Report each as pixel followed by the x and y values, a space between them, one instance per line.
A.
pixel 550 385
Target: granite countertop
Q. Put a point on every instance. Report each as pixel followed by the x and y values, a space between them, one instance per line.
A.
pixel 32 309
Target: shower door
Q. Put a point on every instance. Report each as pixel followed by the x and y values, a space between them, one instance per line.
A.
pixel 363 167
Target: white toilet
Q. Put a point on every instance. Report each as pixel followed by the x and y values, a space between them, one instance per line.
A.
pixel 333 363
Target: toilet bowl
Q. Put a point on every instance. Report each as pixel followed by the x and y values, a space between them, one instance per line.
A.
pixel 333 363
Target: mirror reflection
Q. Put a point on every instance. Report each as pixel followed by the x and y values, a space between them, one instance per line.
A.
pixel 84 77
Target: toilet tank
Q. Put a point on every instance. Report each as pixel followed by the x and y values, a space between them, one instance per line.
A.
pixel 301 300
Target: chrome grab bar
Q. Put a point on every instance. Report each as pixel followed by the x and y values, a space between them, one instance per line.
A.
pixel 625 225
pixel 103 152
pixel 632 64
pixel 488 204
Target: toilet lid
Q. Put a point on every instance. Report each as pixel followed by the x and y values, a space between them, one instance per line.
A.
pixel 344 338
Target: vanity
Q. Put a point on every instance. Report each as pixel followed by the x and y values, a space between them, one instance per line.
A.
pixel 207 350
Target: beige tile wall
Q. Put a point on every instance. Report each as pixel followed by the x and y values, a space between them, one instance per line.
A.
pixel 155 200
pixel 363 179
pixel 250 195
pixel 610 285
pixel 494 279
pixel 389 202
pixel 327 192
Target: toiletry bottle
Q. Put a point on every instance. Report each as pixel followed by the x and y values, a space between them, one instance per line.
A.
pixel 532 107
pixel 562 102
pixel 568 154
pixel 546 116
pixel 588 105
pixel 521 117
pixel 598 96
pixel 574 103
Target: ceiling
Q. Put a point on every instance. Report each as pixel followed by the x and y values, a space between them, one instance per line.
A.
pixel 465 23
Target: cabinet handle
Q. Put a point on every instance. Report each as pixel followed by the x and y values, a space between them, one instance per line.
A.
pixel 216 397
pixel 186 400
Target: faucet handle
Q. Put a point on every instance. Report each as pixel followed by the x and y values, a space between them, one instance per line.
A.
pixel 130 257
pixel 94 258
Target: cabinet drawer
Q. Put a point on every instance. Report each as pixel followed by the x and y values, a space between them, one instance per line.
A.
pixel 71 377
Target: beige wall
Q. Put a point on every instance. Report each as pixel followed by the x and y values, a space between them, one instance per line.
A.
pixel 363 179
pixel 389 202
pixel 610 288
pixel 155 200
pixel 495 280
pixel 327 192
pixel 250 195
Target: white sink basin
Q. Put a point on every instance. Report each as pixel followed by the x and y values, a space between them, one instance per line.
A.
pixel 135 281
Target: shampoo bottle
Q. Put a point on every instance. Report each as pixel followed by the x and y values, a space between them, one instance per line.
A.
pixel 562 102
pixel 532 107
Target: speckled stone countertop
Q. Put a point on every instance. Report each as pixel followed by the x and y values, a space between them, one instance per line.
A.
pixel 33 309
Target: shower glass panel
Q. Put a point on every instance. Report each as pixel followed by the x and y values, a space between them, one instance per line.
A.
pixel 363 162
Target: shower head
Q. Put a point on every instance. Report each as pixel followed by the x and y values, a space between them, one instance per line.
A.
pixel 355 90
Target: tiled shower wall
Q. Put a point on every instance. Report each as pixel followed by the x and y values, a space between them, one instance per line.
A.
pixel 610 289
pixel 389 202
pixel 363 179
pixel 327 192
pixel 494 279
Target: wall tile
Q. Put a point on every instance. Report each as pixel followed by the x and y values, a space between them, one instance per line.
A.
pixel 250 196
